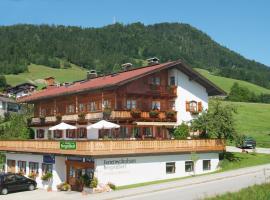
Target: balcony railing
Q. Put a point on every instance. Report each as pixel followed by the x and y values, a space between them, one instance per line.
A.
pixel 163 90
pixel 143 115
pixel 103 148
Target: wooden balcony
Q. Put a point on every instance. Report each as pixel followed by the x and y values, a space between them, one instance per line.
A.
pixel 114 147
pixel 163 90
pixel 144 116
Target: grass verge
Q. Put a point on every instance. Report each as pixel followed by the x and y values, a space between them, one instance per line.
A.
pixel 256 192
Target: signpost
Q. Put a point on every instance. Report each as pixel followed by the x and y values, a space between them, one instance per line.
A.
pixel 68 145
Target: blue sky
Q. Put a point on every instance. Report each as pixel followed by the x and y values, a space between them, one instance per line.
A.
pixel 241 25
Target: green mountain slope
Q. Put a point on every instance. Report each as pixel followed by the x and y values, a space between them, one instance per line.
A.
pixel 253 119
pixel 36 74
pixel 106 48
pixel 227 83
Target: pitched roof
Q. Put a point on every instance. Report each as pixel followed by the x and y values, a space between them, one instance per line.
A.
pixel 118 79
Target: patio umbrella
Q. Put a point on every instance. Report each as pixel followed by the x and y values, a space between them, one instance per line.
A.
pixel 103 124
pixel 62 126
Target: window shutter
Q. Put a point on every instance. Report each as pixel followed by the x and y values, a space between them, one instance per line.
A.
pixel 200 106
pixel 187 106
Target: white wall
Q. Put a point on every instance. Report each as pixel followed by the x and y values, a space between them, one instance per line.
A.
pixel 59 168
pixel 149 168
pixel 187 90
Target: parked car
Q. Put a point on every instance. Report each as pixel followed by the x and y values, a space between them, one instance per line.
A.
pixel 246 142
pixel 10 182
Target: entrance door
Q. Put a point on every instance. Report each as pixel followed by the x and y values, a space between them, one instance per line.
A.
pixel 75 171
pixel 11 166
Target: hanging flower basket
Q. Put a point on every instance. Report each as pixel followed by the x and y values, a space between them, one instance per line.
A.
pixel 154 113
pixel 58 118
pixel 135 113
pixel 81 117
pixel 170 114
pixel 107 113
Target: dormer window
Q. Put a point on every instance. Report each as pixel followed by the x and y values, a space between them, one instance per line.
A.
pixel 172 80
pixel 155 80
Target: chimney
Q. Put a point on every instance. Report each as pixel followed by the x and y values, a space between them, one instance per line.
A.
pixel 126 66
pixel 91 74
pixel 153 61
pixel 50 81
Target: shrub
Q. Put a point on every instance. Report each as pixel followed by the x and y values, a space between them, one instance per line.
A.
pixel 32 175
pixel 181 132
pixel 81 116
pixel 94 183
pixel 107 113
pixel 64 186
pixel 112 186
pixel 58 118
pixel 47 176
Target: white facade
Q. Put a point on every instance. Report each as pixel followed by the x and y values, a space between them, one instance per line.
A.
pixel 187 90
pixel 149 168
pixel 59 168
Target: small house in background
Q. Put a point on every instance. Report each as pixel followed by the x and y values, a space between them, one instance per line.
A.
pixel 50 81
pixel 8 105
pixel 21 90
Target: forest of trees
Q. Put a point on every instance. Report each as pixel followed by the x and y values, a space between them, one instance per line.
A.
pixel 106 48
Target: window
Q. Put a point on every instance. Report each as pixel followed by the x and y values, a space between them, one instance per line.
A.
pixel 147 132
pixel 172 80
pixel 193 106
pixel 189 166
pixel 70 133
pixel 42 112
pixel 10 178
pixel 107 103
pixel 46 168
pixel 81 107
pixel 93 106
pixel 20 178
pixel 40 133
pixel 82 132
pixel 33 167
pixel 71 109
pixel 206 165
pixel 155 80
pixel 57 133
pixel 131 104
pixel 21 167
pixel 170 167
pixel 172 105
pixel 155 105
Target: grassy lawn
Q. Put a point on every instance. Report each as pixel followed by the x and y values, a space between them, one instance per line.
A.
pixel 256 192
pixel 239 160
pixel 226 83
pixel 253 119
pixel 38 72
pixel 231 161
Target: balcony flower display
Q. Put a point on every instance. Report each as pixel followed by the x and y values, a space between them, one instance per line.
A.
pixel 170 114
pixel 154 113
pixel 81 116
pixel 58 118
pixel 42 119
pixel 107 113
pixel 135 113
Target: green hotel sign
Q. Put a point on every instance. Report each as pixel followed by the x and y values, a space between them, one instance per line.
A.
pixel 68 145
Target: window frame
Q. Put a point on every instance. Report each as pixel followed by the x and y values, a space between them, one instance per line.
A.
pixel 192 166
pixel 40 133
pixel 21 166
pixel 172 83
pixel 170 165
pixel 35 167
pixel 46 168
pixel 193 106
pixel 131 104
pixel 154 103
pixel 81 133
pixel 208 167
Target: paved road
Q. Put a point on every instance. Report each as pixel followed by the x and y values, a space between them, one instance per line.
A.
pixel 257 150
pixel 187 189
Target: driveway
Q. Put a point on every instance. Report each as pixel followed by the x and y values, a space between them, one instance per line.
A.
pixel 188 189
pixel 257 150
